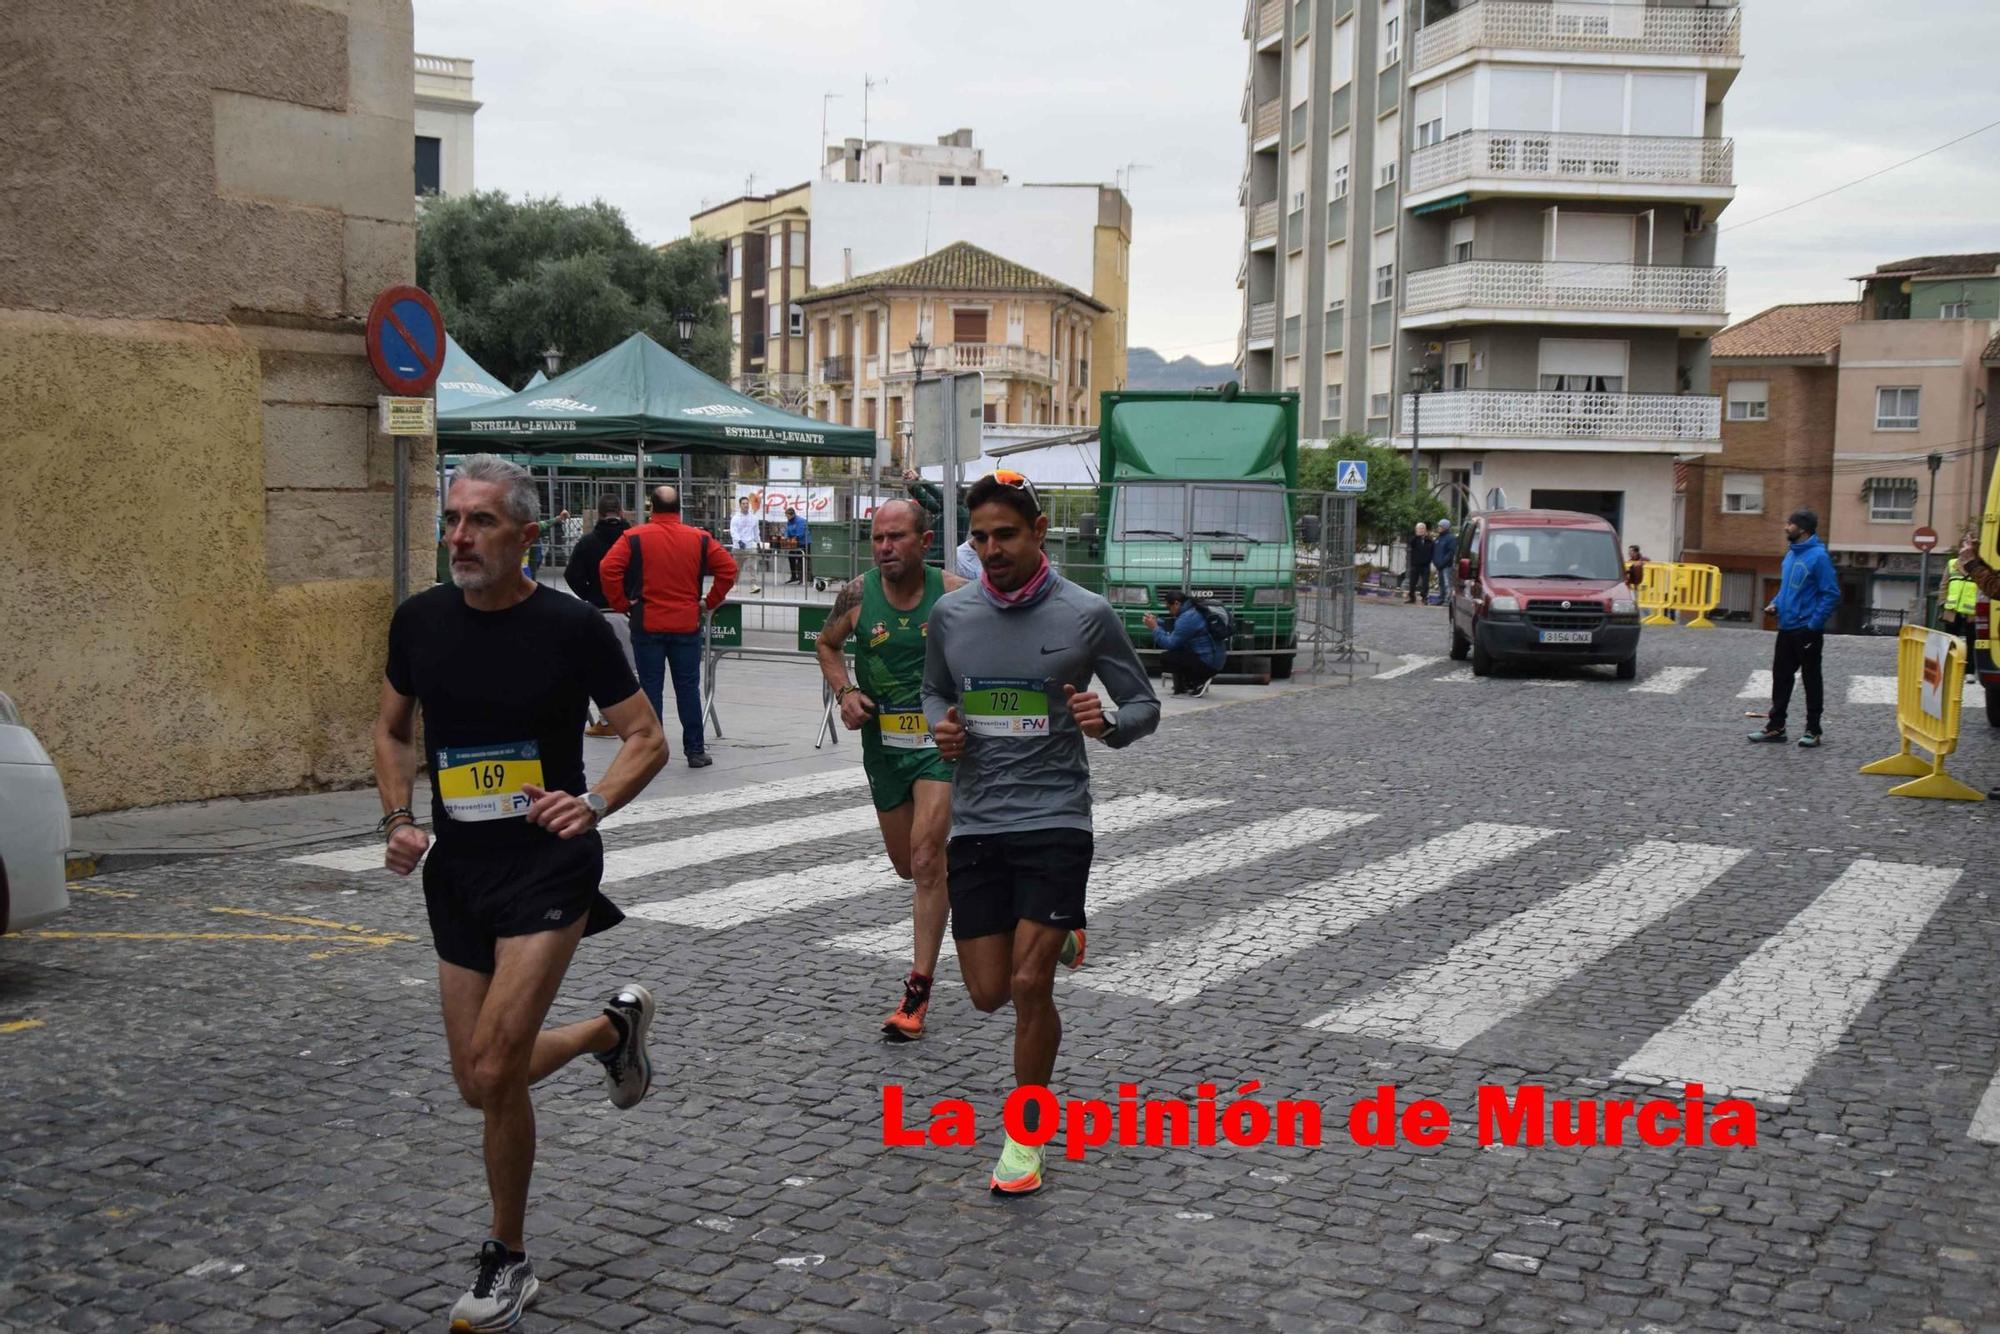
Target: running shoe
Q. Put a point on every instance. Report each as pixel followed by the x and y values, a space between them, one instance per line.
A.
pixel 1766 735
pixel 501 1291
pixel 1810 741
pixel 906 1024
pixel 628 1071
pixel 1019 1171
pixel 1072 950
pixel 1201 689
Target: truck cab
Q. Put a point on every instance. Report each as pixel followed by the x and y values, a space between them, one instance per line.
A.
pixel 1196 492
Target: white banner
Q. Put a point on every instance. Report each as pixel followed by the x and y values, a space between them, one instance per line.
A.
pixel 1937 651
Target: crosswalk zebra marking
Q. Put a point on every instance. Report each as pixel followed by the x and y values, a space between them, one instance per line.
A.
pixel 1141 873
pixel 1179 969
pixel 1985 1125
pixel 1501 971
pixel 1762 1028
pixel 1757 687
pixel 791 891
pixel 1412 662
pixel 1458 676
pixel 1882 690
pixel 673 854
pixel 1668 681
pixel 690 806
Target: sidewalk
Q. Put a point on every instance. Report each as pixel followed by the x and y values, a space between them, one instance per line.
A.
pixel 770 712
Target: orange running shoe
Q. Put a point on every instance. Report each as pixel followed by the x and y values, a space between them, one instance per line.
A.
pixel 906 1024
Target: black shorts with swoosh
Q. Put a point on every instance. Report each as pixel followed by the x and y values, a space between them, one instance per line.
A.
pixel 997 880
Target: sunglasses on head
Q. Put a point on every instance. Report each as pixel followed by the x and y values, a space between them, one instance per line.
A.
pixel 1007 477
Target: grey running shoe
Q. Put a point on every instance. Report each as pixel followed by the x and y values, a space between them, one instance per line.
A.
pixel 628 1071
pixel 501 1291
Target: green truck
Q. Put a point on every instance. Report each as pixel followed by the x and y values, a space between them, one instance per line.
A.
pixel 1196 490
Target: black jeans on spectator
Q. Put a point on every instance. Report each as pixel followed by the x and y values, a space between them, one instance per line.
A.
pixel 1797 651
pixel 1189 671
pixel 1420 583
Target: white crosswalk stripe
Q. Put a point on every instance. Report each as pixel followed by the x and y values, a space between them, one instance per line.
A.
pixel 675 854
pixel 1458 676
pixel 1668 681
pixel 1412 662
pixel 1763 1028
pixel 1511 965
pixel 1757 687
pixel 691 806
pixel 1142 873
pixel 1176 970
pixel 1985 1125
pixel 791 891
pixel 1882 690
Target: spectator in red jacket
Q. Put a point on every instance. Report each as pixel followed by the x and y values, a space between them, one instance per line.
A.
pixel 654 574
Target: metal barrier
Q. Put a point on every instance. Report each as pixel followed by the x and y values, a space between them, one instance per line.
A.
pixel 722 637
pixel 1667 588
pixel 1930 695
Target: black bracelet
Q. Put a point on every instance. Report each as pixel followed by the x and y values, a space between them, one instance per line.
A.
pixel 382 825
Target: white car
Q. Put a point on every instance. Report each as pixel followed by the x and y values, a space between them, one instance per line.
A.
pixel 34 827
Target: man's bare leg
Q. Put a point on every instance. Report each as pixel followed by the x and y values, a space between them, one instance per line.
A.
pixel 499 1058
pixel 930 825
pixel 1037 1026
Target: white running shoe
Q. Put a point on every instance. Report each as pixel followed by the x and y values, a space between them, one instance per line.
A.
pixel 501 1291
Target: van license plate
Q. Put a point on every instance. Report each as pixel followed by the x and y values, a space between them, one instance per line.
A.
pixel 1565 636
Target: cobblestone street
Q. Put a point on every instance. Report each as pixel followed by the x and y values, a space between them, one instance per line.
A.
pixel 228 1105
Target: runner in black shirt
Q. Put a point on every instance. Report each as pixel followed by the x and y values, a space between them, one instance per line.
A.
pixel 503 670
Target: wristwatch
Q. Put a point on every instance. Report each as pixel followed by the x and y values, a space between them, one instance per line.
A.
pixel 598 806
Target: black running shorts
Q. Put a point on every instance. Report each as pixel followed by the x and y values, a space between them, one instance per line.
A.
pixel 477 895
pixel 997 880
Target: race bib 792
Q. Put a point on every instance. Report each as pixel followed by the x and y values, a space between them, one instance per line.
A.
pixel 1005 706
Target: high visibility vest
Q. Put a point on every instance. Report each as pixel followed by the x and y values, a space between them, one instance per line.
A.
pixel 1961 595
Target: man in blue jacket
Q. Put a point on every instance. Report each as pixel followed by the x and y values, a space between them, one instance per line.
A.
pixel 1808 595
pixel 1190 651
pixel 1444 555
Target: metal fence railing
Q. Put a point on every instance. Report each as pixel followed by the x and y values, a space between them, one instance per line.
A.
pixel 1280 561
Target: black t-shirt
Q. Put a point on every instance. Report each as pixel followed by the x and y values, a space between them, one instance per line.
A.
pixel 503 694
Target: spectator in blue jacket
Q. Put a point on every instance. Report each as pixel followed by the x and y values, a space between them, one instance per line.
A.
pixel 1444 555
pixel 1189 651
pixel 798 541
pixel 1808 595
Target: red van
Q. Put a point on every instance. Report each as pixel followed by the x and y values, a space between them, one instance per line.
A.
pixel 1543 585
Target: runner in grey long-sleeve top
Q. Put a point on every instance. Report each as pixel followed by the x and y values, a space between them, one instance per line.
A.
pixel 1007 675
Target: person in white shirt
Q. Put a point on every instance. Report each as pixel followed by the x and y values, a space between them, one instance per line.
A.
pixel 743 529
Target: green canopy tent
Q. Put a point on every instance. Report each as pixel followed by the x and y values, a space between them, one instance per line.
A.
pixel 640 394
pixel 463 382
pixel 536 381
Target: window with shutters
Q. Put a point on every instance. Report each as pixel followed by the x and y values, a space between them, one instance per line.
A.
pixel 1892 499
pixel 1742 493
pixel 1749 400
pixel 1583 366
pixel 968 326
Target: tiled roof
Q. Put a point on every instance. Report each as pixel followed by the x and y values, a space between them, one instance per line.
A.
pixel 1809 329
pixel 1992 352
pixel 1982 262
pixel 959 267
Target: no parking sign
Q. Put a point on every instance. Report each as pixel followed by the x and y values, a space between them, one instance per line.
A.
pixel 405 339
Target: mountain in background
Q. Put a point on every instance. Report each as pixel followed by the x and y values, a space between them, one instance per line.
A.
pixel 1147 369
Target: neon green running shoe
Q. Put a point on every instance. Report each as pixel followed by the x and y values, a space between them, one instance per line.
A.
pixel 1019 1171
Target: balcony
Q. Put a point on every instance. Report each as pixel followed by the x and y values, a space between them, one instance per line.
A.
pixel 1263 323
pixel 1268 120
pixel 1007 359
pixel 1666 33
pixel 1483 163
pixel 1264 224
pixel 1638 295
pixel 1624 423
pixel 837 370
pixel 1270 22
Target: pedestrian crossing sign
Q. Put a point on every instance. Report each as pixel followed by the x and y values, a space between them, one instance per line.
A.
pixel 1352 475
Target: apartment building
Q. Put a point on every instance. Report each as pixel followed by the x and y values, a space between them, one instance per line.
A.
pixel 1510 206
pixel 880 204
pixel 763 273
pixel 1030 334
pixel 1778 376
pixel 445 108
pixel 1917 379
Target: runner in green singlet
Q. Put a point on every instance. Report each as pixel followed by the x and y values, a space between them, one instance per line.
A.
pixel 887 612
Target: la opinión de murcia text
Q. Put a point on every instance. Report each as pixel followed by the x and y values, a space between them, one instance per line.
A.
pixel 1523 1116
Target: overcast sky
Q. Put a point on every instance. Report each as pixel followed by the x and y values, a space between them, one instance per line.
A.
pixel 663 106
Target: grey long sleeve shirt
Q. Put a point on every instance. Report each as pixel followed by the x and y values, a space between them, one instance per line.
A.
pixel 1025 764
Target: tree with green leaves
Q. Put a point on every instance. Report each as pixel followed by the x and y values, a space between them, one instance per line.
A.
pixel 514 277
pixel 1387 512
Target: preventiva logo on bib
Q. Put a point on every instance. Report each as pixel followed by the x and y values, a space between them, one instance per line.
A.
pixel 484 782
pixel 1005 706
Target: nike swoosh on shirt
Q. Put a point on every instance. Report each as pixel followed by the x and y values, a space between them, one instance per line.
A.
pixel 1047 651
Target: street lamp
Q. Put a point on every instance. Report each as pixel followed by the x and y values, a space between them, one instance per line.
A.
pixel 1935 461
pixel 920 352
pixel 1420 375
pixel 684 326
pixel 552 360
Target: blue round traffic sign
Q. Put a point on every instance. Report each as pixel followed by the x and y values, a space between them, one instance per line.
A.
pixel 405 339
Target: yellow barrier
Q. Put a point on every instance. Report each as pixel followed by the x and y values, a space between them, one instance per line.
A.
pixel 1989 523
pixel 1935 732
pixel 1667 588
